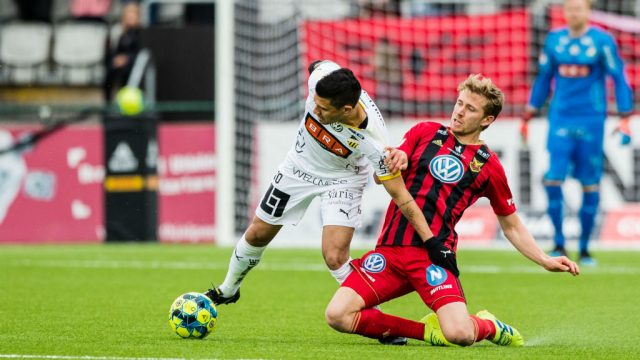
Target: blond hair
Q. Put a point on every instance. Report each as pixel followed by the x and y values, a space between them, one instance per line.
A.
pixel 478 84
pixel 590 3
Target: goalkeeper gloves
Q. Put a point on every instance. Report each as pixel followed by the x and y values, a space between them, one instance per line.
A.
pixel 441 255
pixel 524 125
pixel 625 130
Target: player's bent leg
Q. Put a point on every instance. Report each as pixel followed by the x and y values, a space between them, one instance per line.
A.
pixel 351 311
pixel 343 309
pixel 335 246
pixel 335 249
pixel 432 332
pixel 260 233
pixel 506 335
pixel 246 256
pixel 455 323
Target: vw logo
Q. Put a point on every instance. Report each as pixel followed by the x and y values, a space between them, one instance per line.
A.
pixel 446 168
pixel 374 263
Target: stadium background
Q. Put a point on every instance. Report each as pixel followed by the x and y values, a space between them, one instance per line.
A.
pixel 410 55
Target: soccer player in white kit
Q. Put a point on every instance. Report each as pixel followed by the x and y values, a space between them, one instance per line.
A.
pixel 341 138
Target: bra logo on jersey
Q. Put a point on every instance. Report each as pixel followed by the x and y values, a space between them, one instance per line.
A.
pixel 446 168
pixel 337 127
pixel 436 275
pixel 374 263
pixel 325 138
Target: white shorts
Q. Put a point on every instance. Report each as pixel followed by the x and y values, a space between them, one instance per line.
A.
pixel 292 190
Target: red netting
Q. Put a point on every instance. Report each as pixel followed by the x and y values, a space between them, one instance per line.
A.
pixel 421 60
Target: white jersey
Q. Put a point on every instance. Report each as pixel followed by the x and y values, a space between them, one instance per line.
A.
pixel 338 150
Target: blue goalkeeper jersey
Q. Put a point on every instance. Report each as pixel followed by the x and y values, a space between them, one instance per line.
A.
pixel 579 67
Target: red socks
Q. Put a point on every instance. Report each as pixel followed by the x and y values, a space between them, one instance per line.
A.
pixel 485 329
pixel 374 324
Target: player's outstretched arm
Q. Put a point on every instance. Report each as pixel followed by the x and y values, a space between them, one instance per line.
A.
pixel 407 205
pixel 522 240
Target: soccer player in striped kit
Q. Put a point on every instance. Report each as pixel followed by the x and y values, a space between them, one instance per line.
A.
pixel 447 170
pixel 578 58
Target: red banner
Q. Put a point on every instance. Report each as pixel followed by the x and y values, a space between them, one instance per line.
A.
pixel 430 55
pixel 53 192
pixel 621 226
pixel 187 183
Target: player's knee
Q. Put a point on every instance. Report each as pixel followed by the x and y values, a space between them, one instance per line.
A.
pixel 462 336
pixel 259 234
pixel 338 318
pixel 335 260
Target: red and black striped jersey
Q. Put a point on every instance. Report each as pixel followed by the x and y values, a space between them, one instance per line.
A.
pixel 445 177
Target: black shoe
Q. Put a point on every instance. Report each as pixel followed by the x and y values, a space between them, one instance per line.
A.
pixel 558 251
pixel 586 259
pixel 395 340
pixel 218 297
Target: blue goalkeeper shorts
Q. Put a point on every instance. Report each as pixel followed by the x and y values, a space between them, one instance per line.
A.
pixel 576 150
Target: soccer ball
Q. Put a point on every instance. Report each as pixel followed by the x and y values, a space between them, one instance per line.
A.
pixel 193 315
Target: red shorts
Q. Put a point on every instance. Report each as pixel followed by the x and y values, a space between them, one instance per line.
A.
pixel 389 272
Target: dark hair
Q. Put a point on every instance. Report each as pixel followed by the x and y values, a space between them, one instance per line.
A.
pixel 313 65
pixel 341 88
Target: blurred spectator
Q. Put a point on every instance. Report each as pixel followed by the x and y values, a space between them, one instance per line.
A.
pixel 378 8
pixel 92 10
pixel 388 75
pixel 122 54
pixel 34 10
pixel 417 8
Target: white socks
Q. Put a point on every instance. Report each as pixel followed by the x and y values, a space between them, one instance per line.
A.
pixel 341 273
pixel 244 258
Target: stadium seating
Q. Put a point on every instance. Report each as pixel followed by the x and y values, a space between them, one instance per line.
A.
pixel 24 51
pixel 78 52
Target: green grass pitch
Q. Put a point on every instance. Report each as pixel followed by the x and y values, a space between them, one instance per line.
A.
pixel 111 302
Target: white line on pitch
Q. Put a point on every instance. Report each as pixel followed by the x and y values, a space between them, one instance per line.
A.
pixel 86 357
pixel 265 266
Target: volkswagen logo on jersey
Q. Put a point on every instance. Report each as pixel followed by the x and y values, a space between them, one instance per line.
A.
pixel 374 263
pixel 446 168
pixel 436 275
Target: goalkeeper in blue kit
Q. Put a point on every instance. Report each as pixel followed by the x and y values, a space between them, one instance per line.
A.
pixel 578 58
